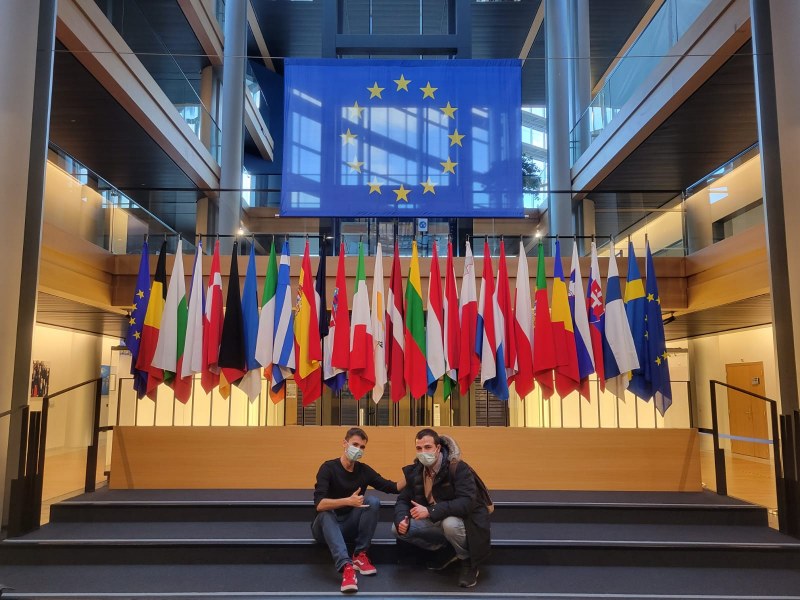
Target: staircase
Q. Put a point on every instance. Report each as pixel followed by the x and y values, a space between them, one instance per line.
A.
pixel 257 544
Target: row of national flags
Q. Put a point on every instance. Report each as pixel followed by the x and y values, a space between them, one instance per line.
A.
pixel 555 342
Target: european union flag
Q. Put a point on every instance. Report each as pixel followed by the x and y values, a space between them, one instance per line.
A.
pixel 136 321
pixel 652 379
pixel 401 138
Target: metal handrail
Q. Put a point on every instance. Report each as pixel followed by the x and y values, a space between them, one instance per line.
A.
pixel 719 453
pixel 91 451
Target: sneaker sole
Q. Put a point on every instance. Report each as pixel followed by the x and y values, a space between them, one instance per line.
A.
pixel 473 584
pixel 363 572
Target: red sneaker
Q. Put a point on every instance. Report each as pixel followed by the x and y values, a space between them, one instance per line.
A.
pixel 349 579
pixel 362 564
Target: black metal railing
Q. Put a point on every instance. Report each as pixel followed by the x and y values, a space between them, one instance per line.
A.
pixel 26 490
pixel 719 453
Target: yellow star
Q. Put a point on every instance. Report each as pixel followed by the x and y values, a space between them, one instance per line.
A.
pixel 658 360
pixel 402 194
pixel 658 300
pixel 375 91
pixel 357 109
pixel 355 165
pixel 402 83
pixel 348 138
pixel 665 355
pixel 449 166
pixel 140 293
pixel 650 297
pixel 132 321
pixel 374 186
pixel 646 334
pixel 455 138
pixel 137 334
pixel 450 111
pixel 427 91
pixel 428 187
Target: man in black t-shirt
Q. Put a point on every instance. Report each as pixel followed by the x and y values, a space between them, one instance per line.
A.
pixel 344 514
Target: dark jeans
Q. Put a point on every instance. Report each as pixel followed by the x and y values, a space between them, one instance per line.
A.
pixel 357 526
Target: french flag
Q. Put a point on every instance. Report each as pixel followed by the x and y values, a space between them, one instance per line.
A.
pixel 489 331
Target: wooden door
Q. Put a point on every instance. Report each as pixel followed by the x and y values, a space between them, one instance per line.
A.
pixel 748 415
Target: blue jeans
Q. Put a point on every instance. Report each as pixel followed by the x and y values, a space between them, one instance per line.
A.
pixel 357 526
pixel 424 533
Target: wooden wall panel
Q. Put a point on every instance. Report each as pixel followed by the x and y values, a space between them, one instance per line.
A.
pixel 512 459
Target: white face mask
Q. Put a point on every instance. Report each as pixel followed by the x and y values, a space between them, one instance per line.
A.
pixel 354 453
pixel 427 458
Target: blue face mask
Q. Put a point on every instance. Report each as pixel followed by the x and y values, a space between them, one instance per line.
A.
pixel 354 453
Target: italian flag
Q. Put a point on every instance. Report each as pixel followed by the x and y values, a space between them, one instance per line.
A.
pixel 362 358
pixel 266 322
pixel 415 367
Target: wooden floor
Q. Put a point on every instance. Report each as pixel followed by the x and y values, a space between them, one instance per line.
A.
pixel 749 479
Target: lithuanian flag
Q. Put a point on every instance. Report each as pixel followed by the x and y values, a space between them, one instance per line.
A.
pixel 416 369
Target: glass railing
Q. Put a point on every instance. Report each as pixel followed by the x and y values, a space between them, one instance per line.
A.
pixel 169 71
pixel 253 89
pixel 87 206
pixel 219 11
pixel 667 26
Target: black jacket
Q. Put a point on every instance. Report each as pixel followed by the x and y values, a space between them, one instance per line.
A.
pixel 455 494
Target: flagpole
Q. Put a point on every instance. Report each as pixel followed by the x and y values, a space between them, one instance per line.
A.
pixel 155 408
pixel 173 406
pixel 580 411
pixel 599 422
pixel 617 403
pixel 230 404
pixel 191 417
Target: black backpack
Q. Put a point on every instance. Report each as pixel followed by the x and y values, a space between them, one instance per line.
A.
pixel 483 492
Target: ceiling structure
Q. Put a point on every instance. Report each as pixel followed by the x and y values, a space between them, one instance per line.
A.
pixel 751 312
pixel 60 312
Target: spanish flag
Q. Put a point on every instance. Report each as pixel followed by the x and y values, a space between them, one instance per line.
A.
pixel 307 343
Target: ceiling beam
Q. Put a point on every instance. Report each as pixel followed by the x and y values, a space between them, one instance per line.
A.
pixel 259 37
pixel 532 33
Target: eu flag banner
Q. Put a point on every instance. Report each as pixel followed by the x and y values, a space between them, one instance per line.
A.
pixel 398 138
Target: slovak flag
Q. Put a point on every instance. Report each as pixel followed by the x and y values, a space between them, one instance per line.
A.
pixel 595 311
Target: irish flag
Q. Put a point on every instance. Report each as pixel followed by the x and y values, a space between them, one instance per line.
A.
pixel 193 349
pixel 434 332
pixel 362 357
pixel 416 369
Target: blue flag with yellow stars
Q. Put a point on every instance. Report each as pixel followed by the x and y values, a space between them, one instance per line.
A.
pixel 141 297
pixel 652 380
pixel 394 138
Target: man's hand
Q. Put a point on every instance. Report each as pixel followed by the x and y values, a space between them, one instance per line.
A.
pixel 418 511
pixel 356 499
pixel 402 527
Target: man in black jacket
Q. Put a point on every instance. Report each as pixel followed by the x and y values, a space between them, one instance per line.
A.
pixel 439 506
pixel 344 514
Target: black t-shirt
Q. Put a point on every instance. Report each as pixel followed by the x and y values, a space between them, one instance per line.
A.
pixel 334 482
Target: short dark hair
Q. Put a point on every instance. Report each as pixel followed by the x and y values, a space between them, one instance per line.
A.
pixel 428 431
pixel 356 431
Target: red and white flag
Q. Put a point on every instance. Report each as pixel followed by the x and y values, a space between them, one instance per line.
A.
pixel 212 325
pixel 362 358
pixel 523 328
pixel 451 326
pixel 469 364
pixel 395 320
pixel 504 302
pixel 434 332
pixel 378 327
